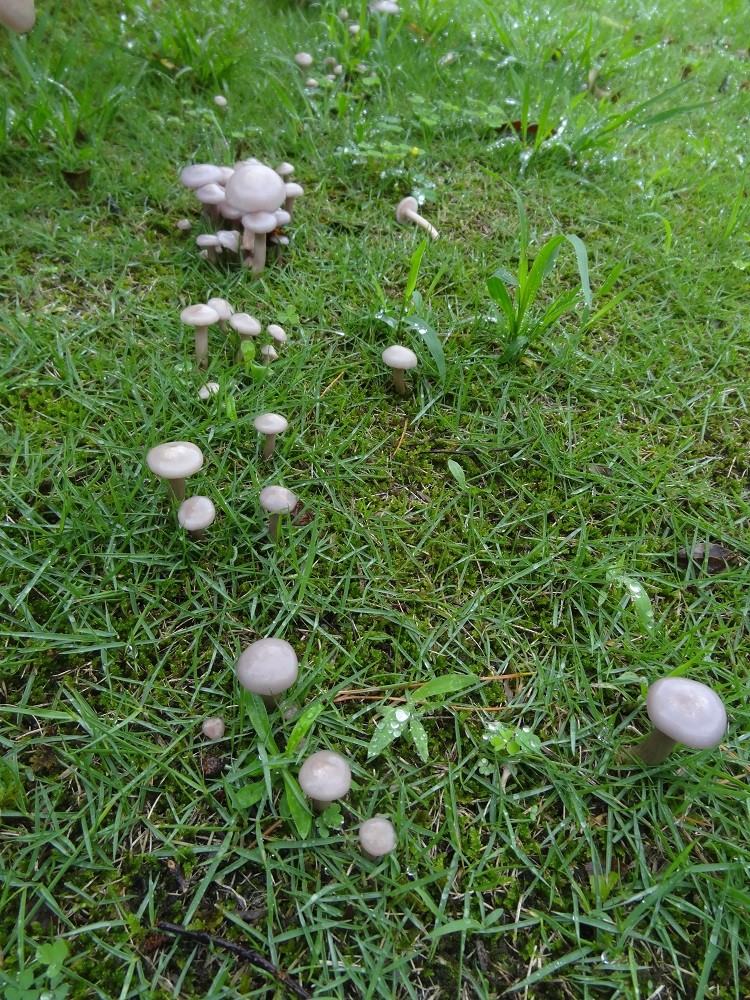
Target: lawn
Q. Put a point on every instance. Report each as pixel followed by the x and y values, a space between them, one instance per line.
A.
pixel 482 576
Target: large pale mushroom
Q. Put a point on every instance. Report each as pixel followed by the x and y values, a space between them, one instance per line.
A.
pixel 174 461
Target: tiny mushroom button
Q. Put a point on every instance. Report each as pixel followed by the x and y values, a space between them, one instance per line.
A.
pixel 270 425
pixel 174 461
pixel 377 836
pixel 399 359
pixel 267 668
pixel 682 711
pixel 325 777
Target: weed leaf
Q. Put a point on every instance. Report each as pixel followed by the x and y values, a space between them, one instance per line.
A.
pixel 438 687
pixel 390 727
pixel 297 806
pixel 419 738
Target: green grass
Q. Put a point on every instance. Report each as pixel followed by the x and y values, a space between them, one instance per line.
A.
pixel 611 446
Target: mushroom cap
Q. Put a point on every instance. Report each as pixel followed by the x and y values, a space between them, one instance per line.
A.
pixel 401 358
pixel 199 315
pixel 196 513
pixel 210 194
pixel 285 169
pixel 277 500
pixel 228 211
pixel 198 174
pixel 183 224
pixel 254 187
pixel 221 306
pixel 277 332
pixel 303 59
pixel 174 459
pixel 245 324
pixel 325 776
pixel 408 204
pixel 230 240
pixel 213 728
pixel 268 351
pixel 311 82
pixel 208 240
pixel 283 218
pixel 220 101
pixel 293 189
pixel 270 423
pixel 687 711
pixel 259 222
pixel 208 390
pixel 268 667
pixel 18 15
pixel 377 836
pixel 226 173
pixel 384 7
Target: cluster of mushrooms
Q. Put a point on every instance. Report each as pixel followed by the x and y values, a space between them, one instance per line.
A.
pixel 247 205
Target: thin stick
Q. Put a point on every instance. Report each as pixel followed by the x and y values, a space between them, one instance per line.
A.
pixel 332 384
pixel 251 956
pixel 403 435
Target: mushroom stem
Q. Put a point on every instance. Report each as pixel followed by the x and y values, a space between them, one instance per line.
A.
pixel 269 445
pixel 421 221
pixel 654 748
pixel 399 382
pixel 273 526
pixel 201 346
pixel 177 486
pixel 259 253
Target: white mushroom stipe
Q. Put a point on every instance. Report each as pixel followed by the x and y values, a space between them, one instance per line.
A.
pixel 213 728
pixel 270 425
pixel 406 211
pixel 195 515
pixel 276 500
pixel 681 711
pixel 399 359
pixel 325 777
pixel 377 836
pixel 174 461
pixel 267 668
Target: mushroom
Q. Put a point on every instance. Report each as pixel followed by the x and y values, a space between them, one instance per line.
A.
pixel 399 359
pixel 220 101
pixel 303 60
pixel 213 728
pixel 247 327
pixel 276 500
pixel 269 354
pixel 293 190
pixel 18 15
pixel 267 668
pixel 175 461
pixel 682 711
pixel 183 224
pixel 406 211
pixel 209 389
pixel 277 333
pixel 257 225
pixel 285 170
pixel 254 187
pixel 325 777
pixel 201 317
pixel 222 307
pixel 198 174
pixel 195 515
pixel 270 424
pixel 210 245
pixel 384 7
pixel 229 239
pixel 377 836
pixel 311 82
pixel 211 196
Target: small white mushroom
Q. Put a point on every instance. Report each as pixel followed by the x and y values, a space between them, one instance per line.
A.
pixel 229 239
pixel 195 515
pixel 198 174
pixel 285 170
pixel 220 101
pixel 283 218
pixel 257 225
pixel 276 500
pixel 277 332
pixel 210 245
pixel 293 191
pixel 325 777
pixel 270 425
pixel 247 326
pixel 184 224
pixel 174 461
pixel 254 187
pixel 303 60
pixel 267 668
pixel 213 728
pixel 268 354
pixel 399 359
pixel 343 14
pixel 354 29
pixel 222 307
pixel 18 15
pixel 406 211
pixel 311 82
pixel 377 836
pixel 681 711
pixel 211 196
pixel 200 317
pixel 209 389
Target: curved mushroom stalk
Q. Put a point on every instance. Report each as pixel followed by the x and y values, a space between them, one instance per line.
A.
pixel 406 211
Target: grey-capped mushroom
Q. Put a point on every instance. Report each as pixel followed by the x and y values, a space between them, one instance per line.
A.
pixel 254 187
pixel 198 174
pixel 681 711
pixel 247 326
pixel 268 353
pixel 267 668
pixel 222 307
pixel 325 777
pixel 276 500
pixel 183 224
pixel 213 728
pixel 303 60
pixel 229 239
pixel 406 211
pixel 200 317
pixel 18 15
pixel 277 333
pixel 195 515
pixel 285 170
pixel 377 837
pixel 399 359
pixel 174 461
pixel 270 425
